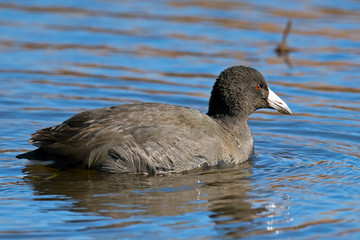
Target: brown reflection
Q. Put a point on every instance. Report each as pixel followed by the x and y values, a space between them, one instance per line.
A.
pixel 293 14
pixel 112 67
pixel 196 38
pixel 96 48
pixel 53 9
pixel 82 85
pixel 132 32
pixel 137 70
pixel 338 11
pixel 87 12
pixel 332 33
pixel 67 97
pixel 318 86
pixel 9 150
pixel 226 5
pixel 190 75
pixel 230 23
pixel 101 49
pixel 345 233
pixel 353 109
pixel 222 192
pixel 315 141
pixel 312 115
pixel 331 49
pixel 138 79
pixel 319 12
pixel 151 51
pixel 140 51
pixel 64 72
pixel 340 65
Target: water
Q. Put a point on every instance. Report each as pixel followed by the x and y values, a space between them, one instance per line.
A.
pixel 62 57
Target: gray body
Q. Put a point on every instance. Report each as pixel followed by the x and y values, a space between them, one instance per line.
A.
pixel 145 138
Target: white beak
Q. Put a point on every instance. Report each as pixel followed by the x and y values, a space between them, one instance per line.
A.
pixel 277 103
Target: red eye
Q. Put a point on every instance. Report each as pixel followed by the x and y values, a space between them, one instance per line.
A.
pixel 258 87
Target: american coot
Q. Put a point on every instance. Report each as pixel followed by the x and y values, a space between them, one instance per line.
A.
pixel 155 138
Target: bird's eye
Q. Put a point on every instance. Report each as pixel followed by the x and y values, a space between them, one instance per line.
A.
pixel 259 86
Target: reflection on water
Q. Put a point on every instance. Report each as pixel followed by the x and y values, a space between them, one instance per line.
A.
pixel 130 200
pixel 62 57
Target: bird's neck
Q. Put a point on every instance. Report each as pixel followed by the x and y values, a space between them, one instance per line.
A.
pixel 238 128
pixel 236 124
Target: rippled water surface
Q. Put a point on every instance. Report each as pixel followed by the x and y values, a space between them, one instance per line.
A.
pixel 61 57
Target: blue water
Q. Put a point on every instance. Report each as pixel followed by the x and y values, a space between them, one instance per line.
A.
pixel 62 57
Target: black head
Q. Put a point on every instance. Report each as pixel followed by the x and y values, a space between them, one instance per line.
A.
pixel 239 91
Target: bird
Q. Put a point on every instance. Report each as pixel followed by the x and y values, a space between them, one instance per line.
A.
pixel 157 138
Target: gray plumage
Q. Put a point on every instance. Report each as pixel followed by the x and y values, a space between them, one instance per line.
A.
pixel 155 138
